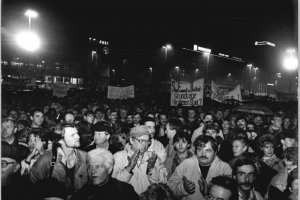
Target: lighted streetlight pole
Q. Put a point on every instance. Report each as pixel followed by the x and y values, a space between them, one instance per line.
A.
pixel 250 69
pixel 30 14
pixel 290 63
pixel 166 47
pixel 207 63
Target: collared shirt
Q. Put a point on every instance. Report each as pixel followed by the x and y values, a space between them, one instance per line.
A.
pixel 68 161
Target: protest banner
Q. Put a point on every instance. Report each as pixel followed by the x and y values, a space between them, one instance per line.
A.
pixel 187 93
pixel 120 92
pixel 220 94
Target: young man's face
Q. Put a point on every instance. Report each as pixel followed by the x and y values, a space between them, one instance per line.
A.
pixel 192 114
pixel 241 124
pixel 170 133
pixel 286 122
pixel 225 125
pixel 163 119
pixel 205 154
pixel 137 119
pixel 90 118
pixel 99 115
pixel 238 148
pixel 71 137
pixel 182 145
pixel 277 122
pixel 129 119
pixel 151 127
pixel 8 129
pixel 245 177
pixel 37 118
pixel 101 136
pixel 113 116
pixel 258 121
pixel 208 118
pixel 123 113
pixel 219 115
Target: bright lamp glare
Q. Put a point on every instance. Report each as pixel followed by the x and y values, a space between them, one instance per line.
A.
pixel 28 41
pixel 290 63
pixel 31 13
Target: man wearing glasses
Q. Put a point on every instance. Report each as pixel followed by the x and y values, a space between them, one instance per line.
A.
pixel 14 186
pixel 137 165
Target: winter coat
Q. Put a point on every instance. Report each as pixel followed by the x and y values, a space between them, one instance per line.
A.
pixel 191 170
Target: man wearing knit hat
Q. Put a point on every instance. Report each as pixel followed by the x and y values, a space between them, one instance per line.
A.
pixel 136 165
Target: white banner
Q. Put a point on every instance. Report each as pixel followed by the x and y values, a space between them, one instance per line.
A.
pixel 120 92
pixel 220 94
pixel 187 93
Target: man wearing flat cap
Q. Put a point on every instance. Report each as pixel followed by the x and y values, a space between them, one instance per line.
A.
pixel 137 165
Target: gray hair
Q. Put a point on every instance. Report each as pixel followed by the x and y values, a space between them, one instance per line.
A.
pixel 101 156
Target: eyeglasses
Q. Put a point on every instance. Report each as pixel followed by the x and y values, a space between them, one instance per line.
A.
pixel 4 163
pixel 142 141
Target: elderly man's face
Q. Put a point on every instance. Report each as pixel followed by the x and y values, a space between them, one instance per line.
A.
pixel 98 172
pixel 140 143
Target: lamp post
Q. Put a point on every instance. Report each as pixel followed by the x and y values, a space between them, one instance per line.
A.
pixel 290 63
pixel 250 69
pixel 166 47
pixel 207 63
pixel 30 14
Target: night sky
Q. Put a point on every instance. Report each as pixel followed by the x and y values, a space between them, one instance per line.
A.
pixel 137 31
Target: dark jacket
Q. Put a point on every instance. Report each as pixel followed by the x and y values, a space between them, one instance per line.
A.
pixel 112 190
pixel 41 168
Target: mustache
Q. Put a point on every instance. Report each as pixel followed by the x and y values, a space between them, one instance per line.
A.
pixel 203 157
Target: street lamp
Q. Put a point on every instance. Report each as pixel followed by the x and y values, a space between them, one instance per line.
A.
pixel 290 63
pixel 28 41
pixel 207 53
pixel 250 69
pixel 177 70
pixel 150 68
pixel 30 14
pixel 166 47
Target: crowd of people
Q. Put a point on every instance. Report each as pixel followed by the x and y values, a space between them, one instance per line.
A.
pixel 122 150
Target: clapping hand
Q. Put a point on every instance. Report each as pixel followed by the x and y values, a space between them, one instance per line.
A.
pixel 188 185
pixel 152 161
pixel 132 161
